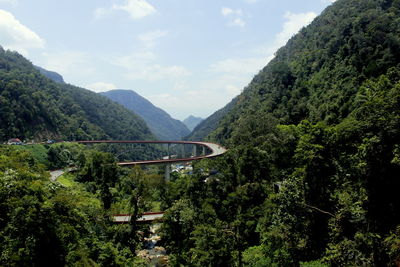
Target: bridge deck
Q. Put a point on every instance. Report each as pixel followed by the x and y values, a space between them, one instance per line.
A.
pixel 216 150
pixel 146 217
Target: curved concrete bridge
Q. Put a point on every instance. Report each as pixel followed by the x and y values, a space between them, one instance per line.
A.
pixel 216 150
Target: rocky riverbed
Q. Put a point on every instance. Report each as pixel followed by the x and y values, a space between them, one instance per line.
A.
pixel 153 254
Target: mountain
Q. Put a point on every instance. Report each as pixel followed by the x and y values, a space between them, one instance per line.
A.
pixel 311 176
pixel 35 107
pixel 210 124
pixel 317 74
pixel 160 122
pixel 192 122
pixel 54 76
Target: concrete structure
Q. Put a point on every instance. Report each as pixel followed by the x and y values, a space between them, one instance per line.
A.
pixel 146 217
pixel 167 175
pixel 216 150
pixel 14 141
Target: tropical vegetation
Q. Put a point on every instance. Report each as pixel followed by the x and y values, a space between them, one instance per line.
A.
pixel 311 177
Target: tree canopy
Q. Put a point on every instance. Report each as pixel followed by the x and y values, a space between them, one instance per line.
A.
pixel 311 177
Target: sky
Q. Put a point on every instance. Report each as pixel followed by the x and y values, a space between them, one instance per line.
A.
pixel 188 57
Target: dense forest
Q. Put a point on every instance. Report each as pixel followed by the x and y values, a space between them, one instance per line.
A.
pixel 33 107
pixel 68 222
pixel 311 177
pixel 312 174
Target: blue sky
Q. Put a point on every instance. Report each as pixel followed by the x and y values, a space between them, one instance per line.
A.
pixel 189 57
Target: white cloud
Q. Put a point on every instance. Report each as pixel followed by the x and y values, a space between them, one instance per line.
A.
pixel 294 22
pixel 143 66
pixel 101 12
pixel 134 60
pixel 11 2
pixel 232 90
pixel 164 98
pixel 101 87
pixel 225 11
pixel 234 16
pixel 238 22
pixel 235 73
pixel 238 65
pixel 137 9
pixel 152 36
pixel 149 39
pixel 68 63
pixel 179 86
pixel 17 36
pixel 156 72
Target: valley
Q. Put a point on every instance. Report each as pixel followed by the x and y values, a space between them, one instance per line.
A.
pixel 299 168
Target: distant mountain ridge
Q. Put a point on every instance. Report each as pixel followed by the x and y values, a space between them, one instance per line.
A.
pixel 191 122
pixel 160 122
pixel 54 76
pixel 35 107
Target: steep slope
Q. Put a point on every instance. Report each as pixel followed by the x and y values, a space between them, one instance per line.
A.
pixel 316 75
pixel 35 107
pixel 54 76
pixel 191 122
pixel 311 177
pixel 210 124
pixel 159 121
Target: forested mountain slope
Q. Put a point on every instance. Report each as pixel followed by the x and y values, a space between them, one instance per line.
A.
pixel 311 177
pixel 160 122
pixel 210 124
pixel 318 73
pixel 35 107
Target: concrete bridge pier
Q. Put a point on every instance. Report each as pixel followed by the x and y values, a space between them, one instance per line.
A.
pixel 194 150
pixel 183 150
pixel 167 174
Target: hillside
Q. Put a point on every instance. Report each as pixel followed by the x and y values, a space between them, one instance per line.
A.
pixel 316 75
pixel 160 122
pixel 51 75
pixel 35 107
pixel 311 175
pixel 191 122
pixel 210 124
